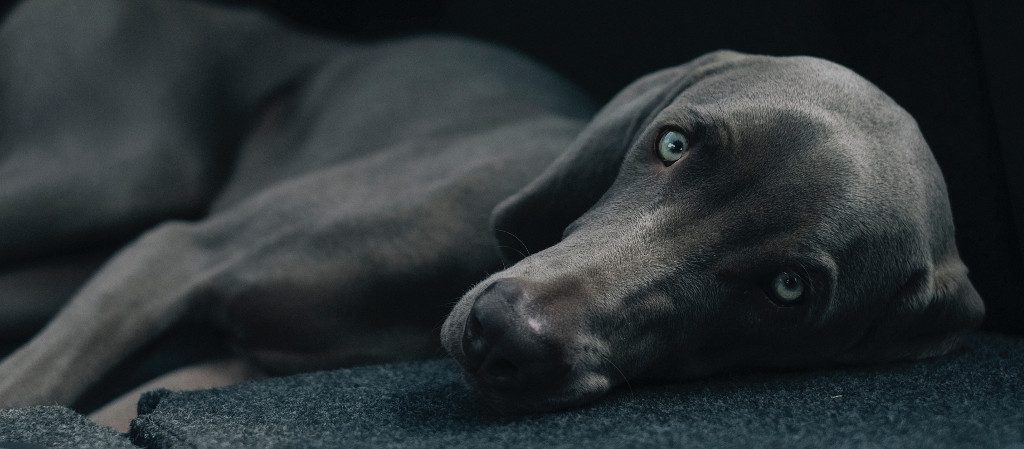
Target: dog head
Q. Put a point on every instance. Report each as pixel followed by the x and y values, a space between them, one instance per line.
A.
pixel 735 211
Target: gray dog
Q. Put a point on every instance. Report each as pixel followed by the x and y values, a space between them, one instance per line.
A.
pixel 326 202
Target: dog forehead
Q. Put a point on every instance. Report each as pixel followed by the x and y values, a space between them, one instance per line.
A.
pixel 803 86
pixel 807 120
pixel 791 77
pixel 811 148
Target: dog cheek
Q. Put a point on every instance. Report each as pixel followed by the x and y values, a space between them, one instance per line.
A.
pixel 684 333
pixel 635 333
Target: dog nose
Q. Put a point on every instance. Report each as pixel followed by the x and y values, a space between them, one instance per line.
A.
pixel 503 350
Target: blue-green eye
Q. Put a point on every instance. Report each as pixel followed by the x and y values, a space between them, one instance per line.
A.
pixel 787 287
pixel 672 146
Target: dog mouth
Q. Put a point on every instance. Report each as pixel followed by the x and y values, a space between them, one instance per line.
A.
pixel 580 391
pixel 579 387
pixel 513 387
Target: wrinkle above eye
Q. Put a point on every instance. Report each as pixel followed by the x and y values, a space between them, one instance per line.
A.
pixel 699 125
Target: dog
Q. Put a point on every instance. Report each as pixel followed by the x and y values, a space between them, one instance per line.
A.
pixel 327 202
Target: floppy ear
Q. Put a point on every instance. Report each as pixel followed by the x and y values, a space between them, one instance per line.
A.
pixel 534 218
pixel 933 310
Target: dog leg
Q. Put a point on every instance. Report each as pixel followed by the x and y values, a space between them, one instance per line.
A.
pixel 142 291
pixel 31 295
pixel 119 115
pixel 118 413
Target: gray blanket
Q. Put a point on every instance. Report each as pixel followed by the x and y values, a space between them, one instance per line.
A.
pixel 973 398
pixel 54 426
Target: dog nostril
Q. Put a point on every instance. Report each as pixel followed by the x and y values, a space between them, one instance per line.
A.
pixel 489 321
pixel 474 346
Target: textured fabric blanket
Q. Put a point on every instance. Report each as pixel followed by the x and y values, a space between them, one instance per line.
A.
pixel 973 398
pixel 54 426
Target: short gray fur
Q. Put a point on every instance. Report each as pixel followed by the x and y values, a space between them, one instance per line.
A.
pixel 344 188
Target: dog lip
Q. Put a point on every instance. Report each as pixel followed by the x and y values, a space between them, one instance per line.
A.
pixel 511 403
pixel 577 389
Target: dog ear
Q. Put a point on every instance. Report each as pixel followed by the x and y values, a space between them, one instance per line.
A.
pixel 534 218
pixel 928 317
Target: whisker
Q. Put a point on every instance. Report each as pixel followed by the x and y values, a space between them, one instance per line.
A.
pixel 624 378
pixel 513 249
pixel 525 248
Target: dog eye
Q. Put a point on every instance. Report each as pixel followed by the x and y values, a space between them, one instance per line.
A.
pixel 787 287
pixel 671 146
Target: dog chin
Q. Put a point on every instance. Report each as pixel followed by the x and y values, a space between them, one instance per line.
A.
pixel 573 394
pixel 578 390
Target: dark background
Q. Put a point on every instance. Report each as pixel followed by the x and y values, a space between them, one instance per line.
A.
pixel 954 64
